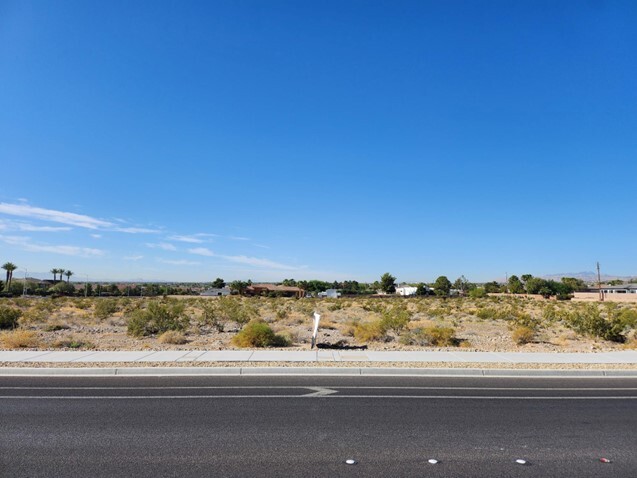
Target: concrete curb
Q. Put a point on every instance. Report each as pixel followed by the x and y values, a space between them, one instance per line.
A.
pixel 304 371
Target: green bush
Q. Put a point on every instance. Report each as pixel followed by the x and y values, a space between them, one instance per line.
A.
pixel 210 316
pixel 589 321
pixel 369 331
pixel 395 319
pixel 478 293
pixel 104 308
pixel 9 317
pixel 233 309
pixel 259 334
pixel 158 318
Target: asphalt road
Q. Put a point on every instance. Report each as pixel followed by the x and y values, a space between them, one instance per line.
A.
pixel 309 426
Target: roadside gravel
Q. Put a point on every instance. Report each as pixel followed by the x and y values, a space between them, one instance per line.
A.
pixel 419 365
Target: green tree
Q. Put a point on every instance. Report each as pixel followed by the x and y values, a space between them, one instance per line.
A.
pixel 218 283
pixel 239 286
pixel 55 274
pixel 62 288
pixel 68 275
pixel 442 286
pixel 534 285
pixel 492 287
pixel 574 283
pixel 388 283
pixel 515 285
pixel 526 277
pixel 422 289
pixel 9 267
pixel 463 285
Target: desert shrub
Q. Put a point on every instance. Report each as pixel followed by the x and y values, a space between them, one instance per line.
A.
pixel 395 319
pixel 281 313
pixel 55 326
pixel 436 336
pixel 478 293
pixel 334 306
pixel 22 302
pixel 628 317
pixel 82 304
pixel 19 338
pixel 289 336
pixel 524 320
pixel 105 308
pixel 9 317
pixel 34 315
pixel 589 321
pixel 233 309
pixel 172 337
pixel 258 334
pixel 369 331
pixel 523 335
pixel 550 314
pixel 157 318
pixel 211 317
pixel 487 313
pixel 305 306
pixel 73 342
pixel 497 313
pixel 373 305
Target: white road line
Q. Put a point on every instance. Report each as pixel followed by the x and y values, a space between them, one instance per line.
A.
pixel 336 387
pixel 311 395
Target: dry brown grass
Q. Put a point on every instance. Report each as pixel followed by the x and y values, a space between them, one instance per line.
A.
pixel 172 337
pixel 523 335
pixel 74 342
pixel 19 339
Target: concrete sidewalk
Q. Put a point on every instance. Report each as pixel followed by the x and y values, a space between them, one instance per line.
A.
pixel 149 356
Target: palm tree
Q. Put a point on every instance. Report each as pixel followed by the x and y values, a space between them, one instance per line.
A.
pixel 54 272
pixel 9 267
pixel 68 275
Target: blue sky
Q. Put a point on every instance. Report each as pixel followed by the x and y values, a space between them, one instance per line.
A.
pixel 333 140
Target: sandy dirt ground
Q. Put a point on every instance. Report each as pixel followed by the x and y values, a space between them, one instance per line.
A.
pixel 67 324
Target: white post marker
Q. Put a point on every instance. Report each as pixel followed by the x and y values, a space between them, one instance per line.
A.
pixel 317 317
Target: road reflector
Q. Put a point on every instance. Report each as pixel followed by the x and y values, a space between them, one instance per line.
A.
pixel 351 462
pixel 604 460
pixel 521 462
pixel 433 461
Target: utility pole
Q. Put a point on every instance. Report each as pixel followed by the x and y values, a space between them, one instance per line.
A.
pixel 24 286
pixel 599 284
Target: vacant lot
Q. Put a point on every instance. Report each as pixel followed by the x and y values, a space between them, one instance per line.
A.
pixel 488 324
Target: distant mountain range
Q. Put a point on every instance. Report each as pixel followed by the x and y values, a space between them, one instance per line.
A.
pixel 589 276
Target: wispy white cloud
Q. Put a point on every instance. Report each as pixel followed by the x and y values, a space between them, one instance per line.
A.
pixel 257 262
pixel 262 246
pixel 96 236
pixel 198 238
pixel 137 230
pixel 181 262
pixel 69 218
pixel 133 258
pixel 202 251
pixel 26 244
pixel 238 238
pixel 251 261
pixel 162 245
pixel 28 227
